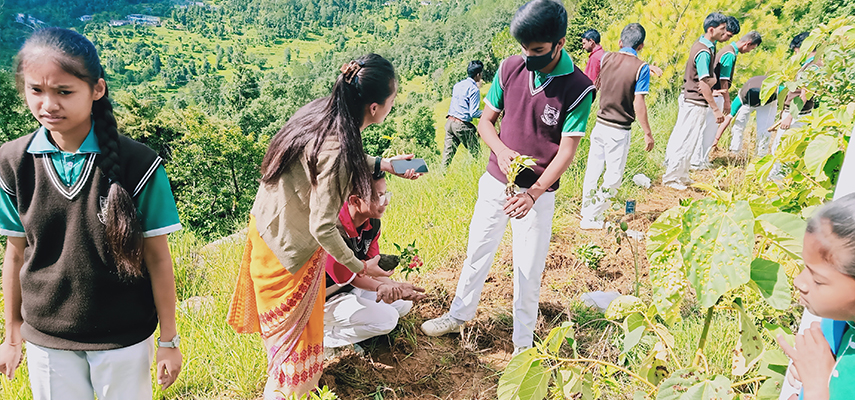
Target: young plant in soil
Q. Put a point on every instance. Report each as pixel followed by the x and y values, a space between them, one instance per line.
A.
pixel 409 258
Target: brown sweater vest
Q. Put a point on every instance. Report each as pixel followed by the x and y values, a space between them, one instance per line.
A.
pixel 534 117
pixel 750 92
pixel 729 49
pixel 72 295
pixel 616 85
pixel 691 80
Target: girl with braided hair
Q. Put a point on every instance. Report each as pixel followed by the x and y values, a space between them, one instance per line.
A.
pixel 313 163
pixel 87 274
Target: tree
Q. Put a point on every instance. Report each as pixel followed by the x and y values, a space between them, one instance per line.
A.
pixel 15 120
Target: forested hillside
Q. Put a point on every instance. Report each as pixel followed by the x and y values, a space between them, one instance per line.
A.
pixel 239 68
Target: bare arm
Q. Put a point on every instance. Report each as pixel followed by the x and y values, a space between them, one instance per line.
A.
pixel 705 88
pixel 641 116
pixel 519 205
pixel 10 350
pixel 159 264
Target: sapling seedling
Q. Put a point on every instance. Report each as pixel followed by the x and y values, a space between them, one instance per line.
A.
pixel 519 164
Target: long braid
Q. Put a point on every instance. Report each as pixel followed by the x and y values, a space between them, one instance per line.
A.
pixel 124 232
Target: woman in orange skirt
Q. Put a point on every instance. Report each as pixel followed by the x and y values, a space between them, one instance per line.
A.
pixel 313 163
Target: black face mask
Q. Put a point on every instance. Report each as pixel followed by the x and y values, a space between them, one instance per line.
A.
pixel 537 63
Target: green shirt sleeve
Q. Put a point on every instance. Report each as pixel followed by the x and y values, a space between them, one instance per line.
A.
pixel 702 64
pixel 10 220
pixel 727 61
pixel 496 97
pixel 156 206
pixel 734 107
pixel 576 121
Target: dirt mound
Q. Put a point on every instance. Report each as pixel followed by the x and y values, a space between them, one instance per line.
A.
pixel 407 364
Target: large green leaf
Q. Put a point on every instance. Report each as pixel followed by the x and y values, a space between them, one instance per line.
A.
pixel 654 367
pixel 557 336
pixel 749 346
pixel 623 306
pixel 716 389
pixel 773 364
pixel 786 231
pixel 678 384
pixel 634 328
pixel 536 382
pixel 718 241
pixel 771 279
pixel 515 373
pixel 818 151
pixel 663 233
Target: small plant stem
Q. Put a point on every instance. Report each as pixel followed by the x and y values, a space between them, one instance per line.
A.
pixel 703 340
pixel 749 381
pixel 664 343
pixel 606 363
pixel 635 259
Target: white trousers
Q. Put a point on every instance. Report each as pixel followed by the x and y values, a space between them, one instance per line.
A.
pixel 531 244
pixel 691 122
pixel 701 154
pixel 80 375
pixel 765 119
pixel 609 149
pixel 356 316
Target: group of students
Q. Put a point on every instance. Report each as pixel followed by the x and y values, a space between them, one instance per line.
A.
pixel 87 273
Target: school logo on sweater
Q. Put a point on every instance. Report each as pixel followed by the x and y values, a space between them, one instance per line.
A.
pixel 550 115
pixel 103 205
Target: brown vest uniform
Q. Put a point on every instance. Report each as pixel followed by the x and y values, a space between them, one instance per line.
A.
pixel 616 85
pixel 691 89
pixel 729 49
pixel 534 116
pixel 72 295
pixel 750 92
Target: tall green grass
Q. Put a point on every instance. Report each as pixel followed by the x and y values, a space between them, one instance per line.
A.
pixel 434 210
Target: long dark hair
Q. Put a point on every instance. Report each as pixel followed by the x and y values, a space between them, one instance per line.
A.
pixel 77 56
pixel 367 80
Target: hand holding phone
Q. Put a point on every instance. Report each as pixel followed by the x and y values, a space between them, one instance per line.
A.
pixel 416 164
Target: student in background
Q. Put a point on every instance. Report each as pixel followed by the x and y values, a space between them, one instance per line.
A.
pixel 725 69
pixel 696 99
pixel 465 98
pixel 747 102
pixel 623 83
pixel 591 44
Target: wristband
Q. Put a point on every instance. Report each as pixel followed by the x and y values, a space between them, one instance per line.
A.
pixel 532 197
pixel 377 171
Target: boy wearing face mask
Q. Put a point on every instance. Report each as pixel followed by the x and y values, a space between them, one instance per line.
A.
pixel 546 100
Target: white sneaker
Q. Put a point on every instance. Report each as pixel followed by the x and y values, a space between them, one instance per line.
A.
pixel 441 326
pixel 590 224
pixel 676 186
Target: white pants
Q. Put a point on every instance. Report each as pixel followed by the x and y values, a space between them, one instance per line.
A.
pixel 110 374
pixel 609 148
pixel 531 245
pixel 765 119
pixel 701 154
pixel 356 316
pixel 691 122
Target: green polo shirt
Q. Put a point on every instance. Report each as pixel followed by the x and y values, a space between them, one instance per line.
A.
pixel 841 384
pixel 576 121
pixel 727 62
pixel 155 203
pixel 702 60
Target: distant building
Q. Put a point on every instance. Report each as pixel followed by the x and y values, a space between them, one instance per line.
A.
pixel 20 18
pixel 119 22
pixel 143 19
pixel 85 18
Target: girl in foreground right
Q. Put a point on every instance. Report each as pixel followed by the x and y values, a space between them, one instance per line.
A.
pixel 824 355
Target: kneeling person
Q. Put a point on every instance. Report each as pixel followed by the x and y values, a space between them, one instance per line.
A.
pixel 361 307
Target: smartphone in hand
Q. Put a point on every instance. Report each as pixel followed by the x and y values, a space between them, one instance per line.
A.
pixel 401 166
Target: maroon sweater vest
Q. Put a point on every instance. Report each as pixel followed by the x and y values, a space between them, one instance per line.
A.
pixel 534 117
pixel 72 295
